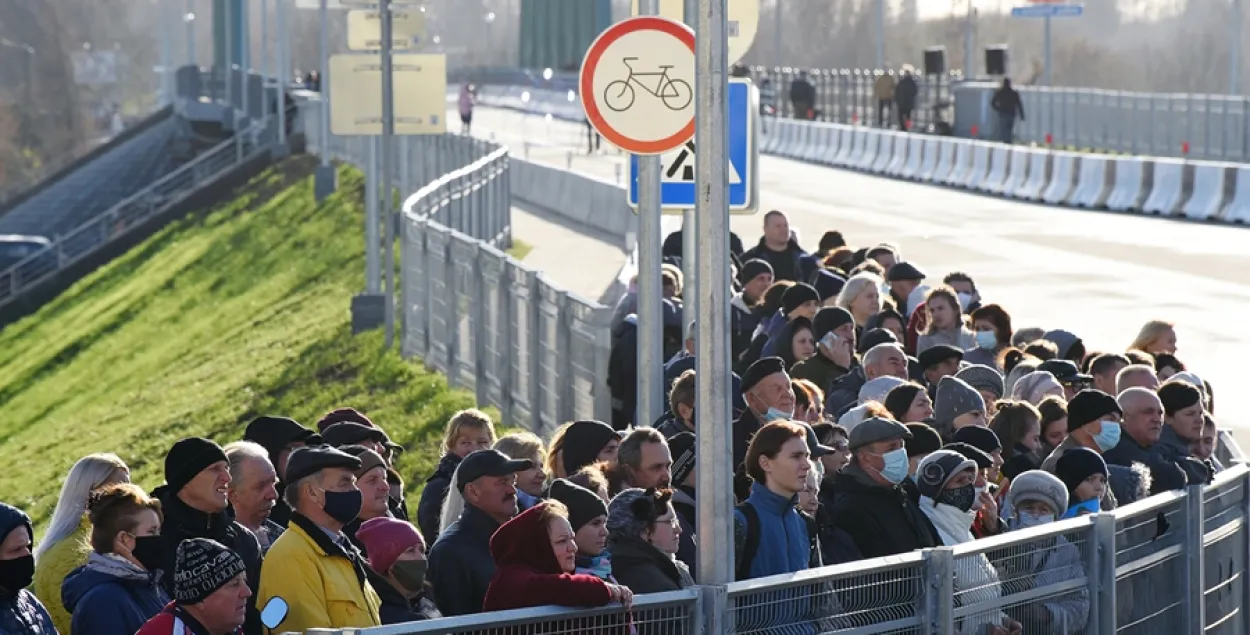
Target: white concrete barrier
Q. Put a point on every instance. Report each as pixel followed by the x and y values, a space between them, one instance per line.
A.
pixel 1238 210
pixel 790 146
pixel 1018 174
pixel 979 174
pixel 902 144
pixel 846 146
pixel 961 165
pixel 885 152
pixel 1132 183
pixel 872 145
pixel 769 131
pixel 915 156
pixel 811 140
pixel 1210 191
pixel 1095 182
pixel 1000 163
pixel 1167 191
pixel 1063 177
pixel 934 147
pixel 833 137
pixel 1039 176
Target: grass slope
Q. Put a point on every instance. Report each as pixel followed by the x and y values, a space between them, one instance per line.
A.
pixel 223 315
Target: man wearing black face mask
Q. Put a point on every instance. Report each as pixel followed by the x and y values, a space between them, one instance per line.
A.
pixel 314 561
pixel 20 610
pixel 195 502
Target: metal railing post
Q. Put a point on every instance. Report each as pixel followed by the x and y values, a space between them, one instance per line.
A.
pixel 1194 605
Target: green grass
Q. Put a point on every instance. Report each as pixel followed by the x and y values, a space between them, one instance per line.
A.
pixel 520 249
pixel 221 316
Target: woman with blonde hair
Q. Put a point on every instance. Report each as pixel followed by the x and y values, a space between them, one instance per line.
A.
pixel 944 323
pixel 529 483
pixel 1156 336
pixel 862 297
pixel 66 545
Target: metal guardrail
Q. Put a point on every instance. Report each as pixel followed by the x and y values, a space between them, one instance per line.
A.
pixel 1173 563
pixel 491 324
pixel 68 249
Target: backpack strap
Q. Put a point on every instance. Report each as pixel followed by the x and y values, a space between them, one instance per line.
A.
pixel 752 543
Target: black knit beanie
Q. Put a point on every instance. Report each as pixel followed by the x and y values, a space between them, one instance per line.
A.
pixel 583 441
pixel 187 459
pixel 1078 464
pixel 584 505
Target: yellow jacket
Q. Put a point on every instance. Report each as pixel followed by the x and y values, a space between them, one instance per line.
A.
pixel 322 589
pixel 56 563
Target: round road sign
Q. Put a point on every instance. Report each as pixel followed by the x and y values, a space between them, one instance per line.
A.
pixel 637 84
pixel 743 17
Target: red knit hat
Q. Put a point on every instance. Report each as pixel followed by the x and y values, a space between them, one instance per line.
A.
pixel 384 538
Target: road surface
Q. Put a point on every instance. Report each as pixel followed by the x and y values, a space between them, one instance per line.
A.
pixel 1100 275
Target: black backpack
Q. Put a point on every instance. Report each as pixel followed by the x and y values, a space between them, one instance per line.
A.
pixel 742 570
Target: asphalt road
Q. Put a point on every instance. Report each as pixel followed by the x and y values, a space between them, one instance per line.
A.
pixel 1100 275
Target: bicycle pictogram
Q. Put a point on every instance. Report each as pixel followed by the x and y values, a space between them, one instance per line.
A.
pixel 675 94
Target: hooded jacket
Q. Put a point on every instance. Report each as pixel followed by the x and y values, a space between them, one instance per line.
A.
pixel 183 521
pixel 528 574
pixel 20 611
pixel 430 508
pixel 112 596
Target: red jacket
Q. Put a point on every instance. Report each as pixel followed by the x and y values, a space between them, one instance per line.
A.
pixel 163 623
pixel 528 574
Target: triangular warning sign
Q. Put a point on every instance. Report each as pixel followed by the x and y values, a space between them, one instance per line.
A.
pixel 678 166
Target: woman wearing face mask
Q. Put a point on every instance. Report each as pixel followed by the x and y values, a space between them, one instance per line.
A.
pixel 397 567
pixel 947 493
pixel 20 610
pixel 588 516
pixel 944 323
pixel 1037 498
pixel 991 326
pixel 118 590
pixel 536 556
pixel 1019 426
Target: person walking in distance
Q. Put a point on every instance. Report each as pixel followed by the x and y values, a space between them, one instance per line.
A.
pixel 1006 102
pixel 468 99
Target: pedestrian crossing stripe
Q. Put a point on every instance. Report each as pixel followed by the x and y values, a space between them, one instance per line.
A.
pixel 678 166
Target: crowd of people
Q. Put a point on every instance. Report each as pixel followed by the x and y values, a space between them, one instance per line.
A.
pixel 874 415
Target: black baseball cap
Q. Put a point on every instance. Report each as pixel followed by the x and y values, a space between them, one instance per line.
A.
pixel 488 463
pixel 1065 371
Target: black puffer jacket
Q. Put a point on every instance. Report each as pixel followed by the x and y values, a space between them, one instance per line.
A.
pixel 881 521
pixel 183 522
pixel 430 508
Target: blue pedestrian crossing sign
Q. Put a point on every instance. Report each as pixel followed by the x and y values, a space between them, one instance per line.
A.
pixel 677 177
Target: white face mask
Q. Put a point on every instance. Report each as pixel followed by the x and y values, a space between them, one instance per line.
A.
pixel 1025 519
pixel 976 497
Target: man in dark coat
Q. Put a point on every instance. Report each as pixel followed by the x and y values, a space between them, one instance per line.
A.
pixel 195 506
pixel 905 98
pixel 461 565
pixel 870 505
pixel 779 249
pixel 280 436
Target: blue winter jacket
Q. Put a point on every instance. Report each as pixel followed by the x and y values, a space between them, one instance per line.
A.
pixel 109 596
pixel 784 547
pixel 21 613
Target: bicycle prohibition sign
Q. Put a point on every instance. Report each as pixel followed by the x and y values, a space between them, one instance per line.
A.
pixel 675 94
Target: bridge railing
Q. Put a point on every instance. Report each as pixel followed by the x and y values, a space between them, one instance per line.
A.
pixel 487 321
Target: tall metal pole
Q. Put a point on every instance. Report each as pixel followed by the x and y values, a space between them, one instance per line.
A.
pixel 880 20
pixel 777 34
pixel 650 312
pixel 167 52
pixel 229 57
pixel 324 177
pixel 715 501
pixel 1234 62
pixel 189 18
pixel 284 70
pixel 1045 55
pixel 689 222
pixel 970 71
pixel 388 137
pixel 373 282
pixel 265 68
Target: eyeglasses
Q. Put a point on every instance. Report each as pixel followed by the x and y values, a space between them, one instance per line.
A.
pixel 841 445
pixel 671 521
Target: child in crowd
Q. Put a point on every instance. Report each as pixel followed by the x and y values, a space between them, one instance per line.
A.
pixel 467 431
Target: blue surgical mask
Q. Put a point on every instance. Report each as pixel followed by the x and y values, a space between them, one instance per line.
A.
pixel 986 340
pixel 896 465
pixel 1025 520
pixel 965 299
pixel 777 414
pixel 1108 437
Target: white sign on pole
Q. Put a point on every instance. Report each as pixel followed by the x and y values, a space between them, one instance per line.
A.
pixel 420 102
pixel 364 30
pixel 744 22
pixel 637 85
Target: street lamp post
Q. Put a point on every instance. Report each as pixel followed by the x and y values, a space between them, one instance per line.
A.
pixel 29 79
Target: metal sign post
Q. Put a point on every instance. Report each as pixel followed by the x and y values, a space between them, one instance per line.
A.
pixel 637 87
pixel 712 364
pixel 283 74
pixel 1046 10
pixel 325 180
pixel 388 136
